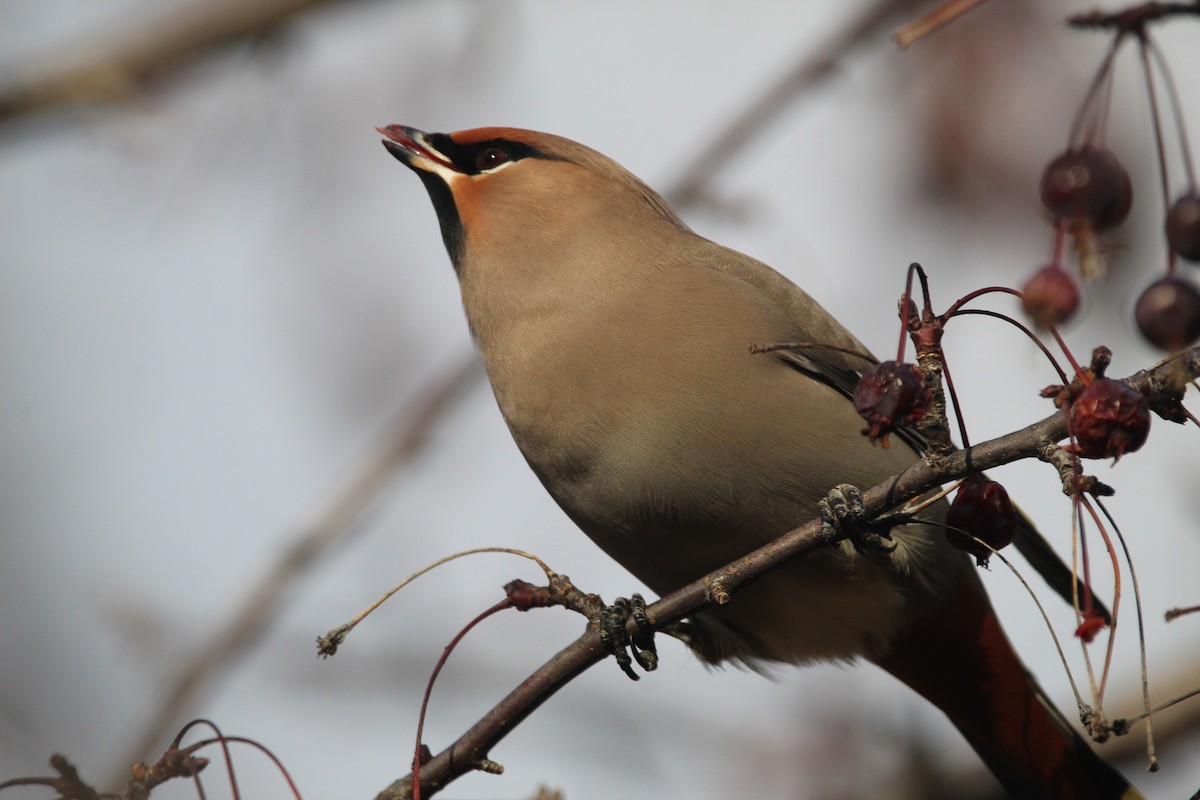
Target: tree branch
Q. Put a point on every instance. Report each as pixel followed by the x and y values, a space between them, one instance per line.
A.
pixel 1165 383
pixel 118 68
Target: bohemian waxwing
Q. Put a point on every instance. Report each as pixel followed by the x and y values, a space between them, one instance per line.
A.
pixel 617 343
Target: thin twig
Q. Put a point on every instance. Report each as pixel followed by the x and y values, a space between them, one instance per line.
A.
pixel 1078 553
pixel 1173 614
pixel 329 642
pixel 1151 755
pixel 1135 18
pixel 1160 148
pixel 1158 709
pixel 396 449
pixel 1062 656
pixel 437 669
pixel 933 21
pixel 1116 602
pixel 118 68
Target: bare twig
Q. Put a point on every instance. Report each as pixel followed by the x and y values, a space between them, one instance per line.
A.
pixel 395 450
pixel 587 650
pixel 328 643
pixel 933 21
pixel 116 69
pixel 68 784
pixel 1134 18
pixel 1173 614
pixel 1151 752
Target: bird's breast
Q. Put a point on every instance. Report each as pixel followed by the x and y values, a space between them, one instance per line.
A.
pixel 676 449
pixel 647 417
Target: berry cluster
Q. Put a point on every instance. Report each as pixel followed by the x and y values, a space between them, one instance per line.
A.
pixel 1087 192
pixel 894 395
pixel 1106 418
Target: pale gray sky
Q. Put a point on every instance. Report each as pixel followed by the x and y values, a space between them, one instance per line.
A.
pixel 212 301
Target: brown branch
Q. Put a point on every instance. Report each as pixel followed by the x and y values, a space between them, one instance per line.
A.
pixel 117 69
pixel 933 21
pixel 68 785
pixel 395 450
pixel 720 586
pixel 1135 18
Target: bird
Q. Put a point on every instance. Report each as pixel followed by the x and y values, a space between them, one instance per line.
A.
pixel 618 345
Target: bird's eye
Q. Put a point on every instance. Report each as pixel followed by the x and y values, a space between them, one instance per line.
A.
pixel 490 157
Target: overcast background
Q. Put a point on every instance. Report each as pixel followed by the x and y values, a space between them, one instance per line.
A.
pixel 216 296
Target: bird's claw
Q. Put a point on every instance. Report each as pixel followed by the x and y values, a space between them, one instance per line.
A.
pixel 844 517
pixel 617 641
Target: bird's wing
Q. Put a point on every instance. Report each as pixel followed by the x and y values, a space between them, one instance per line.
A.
pixel 834 356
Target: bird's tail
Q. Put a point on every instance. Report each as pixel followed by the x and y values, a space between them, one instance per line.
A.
pixel 959 659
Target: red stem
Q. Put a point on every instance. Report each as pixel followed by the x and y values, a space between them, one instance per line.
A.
pixel 958 415
pixel 1062 376
pixel 907 300
pixel 416 770
pixel 224 740
pixel 1177 108
pixel 1159 147
pixel 233 784
pixel 1116 565
pixel 1060 241
pixel 954 309
pixel 1088 605
pixel 962 301
pixel 1103 75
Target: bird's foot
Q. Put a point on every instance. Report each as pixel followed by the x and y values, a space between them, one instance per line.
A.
pixel 843 517
pixel 616 638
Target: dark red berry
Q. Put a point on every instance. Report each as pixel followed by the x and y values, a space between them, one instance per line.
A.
pixel 1109 419
pixel 890 395
pixel 1183 227
pixel 1118 212
pixel 1088 183
pixel 981 508
pixel 1168 313
pixel 1050 296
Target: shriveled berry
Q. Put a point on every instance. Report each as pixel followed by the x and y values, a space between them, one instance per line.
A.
pixel 1109 419
pixel 1183 227
pixel 1092 624
pixel 1168 313
pixel 981 508
pixel 1050 296
pixel 1089 183
pixel 890 395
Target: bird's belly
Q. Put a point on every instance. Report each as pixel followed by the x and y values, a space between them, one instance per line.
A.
pixel 699 455
pixel 672 498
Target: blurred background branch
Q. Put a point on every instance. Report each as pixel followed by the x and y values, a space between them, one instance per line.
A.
pixel 117 67
pixel 343 514
pixel 769 105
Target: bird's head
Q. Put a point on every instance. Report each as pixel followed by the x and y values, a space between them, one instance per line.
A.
pixel 500 192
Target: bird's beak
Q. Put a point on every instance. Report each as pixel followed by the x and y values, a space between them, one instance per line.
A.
pixel 410 146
